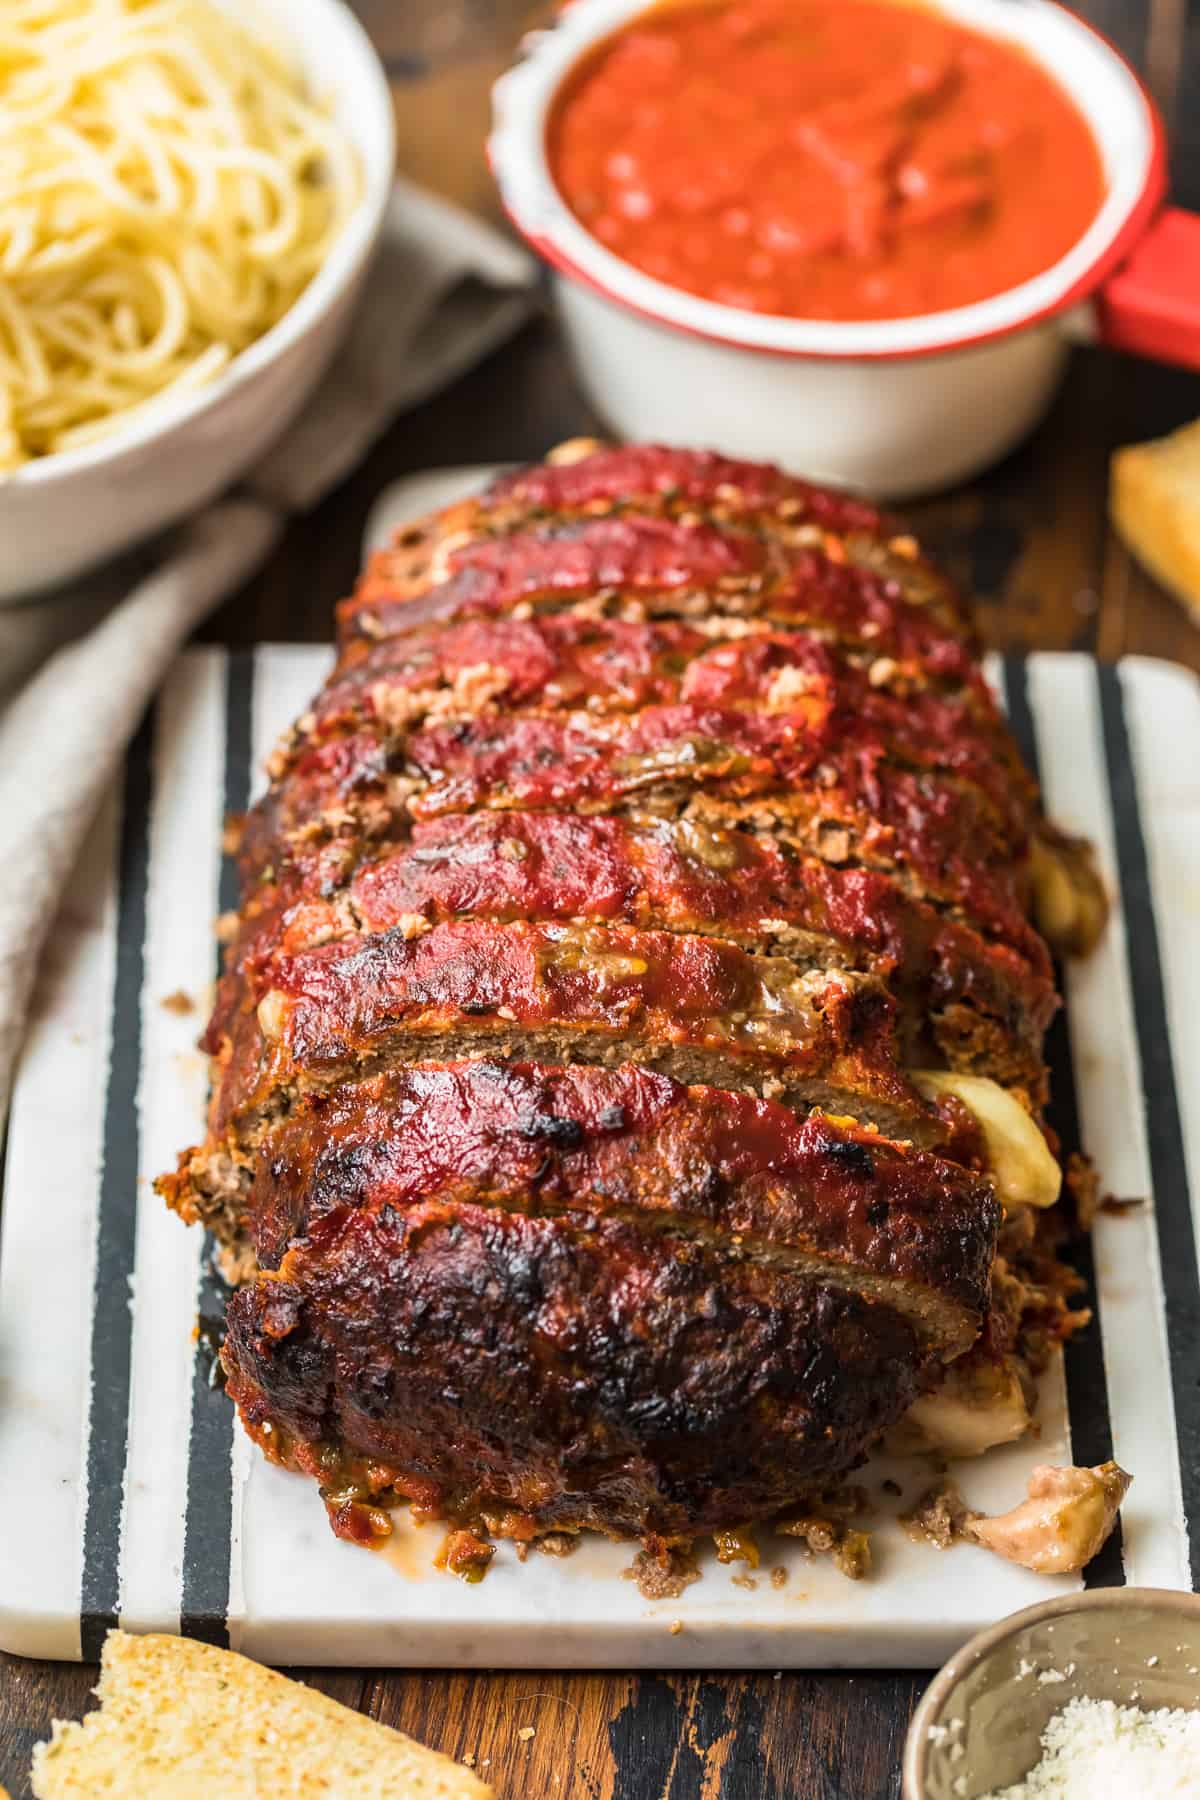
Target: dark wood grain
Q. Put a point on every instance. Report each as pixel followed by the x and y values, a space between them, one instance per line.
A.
pixel 1031 538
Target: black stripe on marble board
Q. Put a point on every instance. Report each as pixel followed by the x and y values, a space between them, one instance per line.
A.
pixel 116 1224
pixel 208 1525
pixel 1083 1358
pixel 1164 1128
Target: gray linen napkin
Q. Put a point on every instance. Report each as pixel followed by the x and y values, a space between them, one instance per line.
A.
pixel 77 669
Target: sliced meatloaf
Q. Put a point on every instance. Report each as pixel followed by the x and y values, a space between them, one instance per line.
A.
pixel 634 997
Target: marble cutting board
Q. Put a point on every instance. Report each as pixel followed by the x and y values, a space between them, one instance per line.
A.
pixel 127 1494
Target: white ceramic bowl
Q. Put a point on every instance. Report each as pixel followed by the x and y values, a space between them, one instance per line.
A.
pixel 61 514
pixel 895 406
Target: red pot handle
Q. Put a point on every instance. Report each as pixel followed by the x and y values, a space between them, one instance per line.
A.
pixel 1152 304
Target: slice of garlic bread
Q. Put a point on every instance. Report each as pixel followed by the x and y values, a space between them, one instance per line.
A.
pixel 1154 499
pixel 179 1720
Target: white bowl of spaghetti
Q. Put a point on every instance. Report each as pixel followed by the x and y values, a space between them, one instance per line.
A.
pixel 190 193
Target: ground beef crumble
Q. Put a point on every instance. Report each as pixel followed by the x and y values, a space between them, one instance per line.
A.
pixel 663 1572
pixel 938 1517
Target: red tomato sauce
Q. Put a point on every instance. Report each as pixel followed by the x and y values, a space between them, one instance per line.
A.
pixel 823 159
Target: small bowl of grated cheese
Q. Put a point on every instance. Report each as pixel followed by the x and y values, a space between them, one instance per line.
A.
pixel 1085 1697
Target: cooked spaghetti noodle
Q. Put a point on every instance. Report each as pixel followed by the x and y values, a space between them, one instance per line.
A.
pixel 167 190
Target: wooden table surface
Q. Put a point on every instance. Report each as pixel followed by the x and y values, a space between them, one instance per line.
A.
pixel 1031 540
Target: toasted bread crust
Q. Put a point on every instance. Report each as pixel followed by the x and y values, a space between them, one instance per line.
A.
pixel 183 1718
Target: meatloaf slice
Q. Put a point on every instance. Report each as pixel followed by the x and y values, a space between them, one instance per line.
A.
pixel 567 659
pixel 594 669
pixel 963 999
pixel 818 1195
pixel 621 505
pixel 589 477
pixel 699 1008
pixel 575 1370
pixel 942 835
pixel 633 568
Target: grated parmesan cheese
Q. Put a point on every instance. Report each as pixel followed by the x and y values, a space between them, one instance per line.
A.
pixel 1096 1750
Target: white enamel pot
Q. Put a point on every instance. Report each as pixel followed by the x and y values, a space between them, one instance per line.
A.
pixel 896 407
